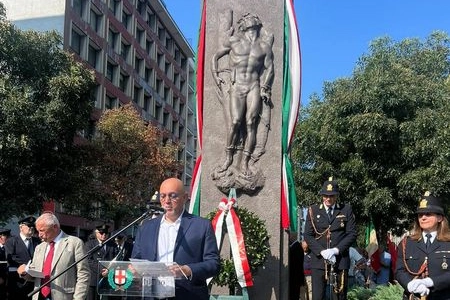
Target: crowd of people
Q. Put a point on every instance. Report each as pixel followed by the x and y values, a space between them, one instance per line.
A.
pixel 331 264
pixel 44 263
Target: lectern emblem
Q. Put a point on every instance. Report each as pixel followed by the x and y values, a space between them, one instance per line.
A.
pixel 119 278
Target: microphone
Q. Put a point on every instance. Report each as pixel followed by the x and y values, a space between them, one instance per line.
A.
pixel 155 208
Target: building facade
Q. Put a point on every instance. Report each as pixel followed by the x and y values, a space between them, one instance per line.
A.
pixel 138 54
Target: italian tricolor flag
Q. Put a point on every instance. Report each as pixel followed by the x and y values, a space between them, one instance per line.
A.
pixel 291 104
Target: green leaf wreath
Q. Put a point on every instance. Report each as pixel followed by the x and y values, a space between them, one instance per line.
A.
pixel 256 239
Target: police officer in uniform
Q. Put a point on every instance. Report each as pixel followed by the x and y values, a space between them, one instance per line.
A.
pixel 424 256
pixel 4 235
pixel 20 250
pixel 105 253
pixel 330 230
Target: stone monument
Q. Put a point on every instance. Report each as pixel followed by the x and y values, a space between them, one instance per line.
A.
pixel 242 116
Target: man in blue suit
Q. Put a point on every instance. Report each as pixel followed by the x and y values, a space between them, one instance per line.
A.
pixel 177 236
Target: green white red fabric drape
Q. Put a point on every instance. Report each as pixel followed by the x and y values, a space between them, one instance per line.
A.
pixel 227 213
pixel 194 205
pixel 291 104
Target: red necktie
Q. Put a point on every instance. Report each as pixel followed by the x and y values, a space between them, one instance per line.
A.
pixel 47 270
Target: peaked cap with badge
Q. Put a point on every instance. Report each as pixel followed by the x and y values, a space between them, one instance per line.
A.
pixel 102 228
pixel 330 187
pixel 29 221
pixel 430 204
pixel 5 231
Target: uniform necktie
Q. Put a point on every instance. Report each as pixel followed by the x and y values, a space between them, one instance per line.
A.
pixel 47 270
pixel 330 213
pixel 29 246
pixel 428 243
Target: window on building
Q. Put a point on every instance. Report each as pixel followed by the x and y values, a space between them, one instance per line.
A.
pixel 79 7
pixel 123 82
pixel 95 20
pixel 140 6
pixel 77 41
pixel 177 55
pixel 158 111
pixel 111 71
pixel 126 20
pixel 148 75
pixel 147 103
pixel 168 70
pixel 160 60
pixel 176 104
pixel 114 6
pixel 161 33
pixel 136 94
pixel 151 20
pixel 167 95
pixel 138 64
pixel 140 34
pixel 113 38
pixel 158 86
pixel 166 119
pixel 176 80
pixel 150 48
pixel 110 102
pixel 125 51
pixel 94 56
pixel 182 112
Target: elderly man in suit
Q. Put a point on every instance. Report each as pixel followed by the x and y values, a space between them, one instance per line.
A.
pixel 330 230
pixel 177 236
pixel 58 251
pixel 20 250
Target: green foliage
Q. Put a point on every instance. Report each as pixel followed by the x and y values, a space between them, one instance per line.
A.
pixel 45 102
pixel 389 292
pixel 124 165
pixel 256 239
pixel 381 132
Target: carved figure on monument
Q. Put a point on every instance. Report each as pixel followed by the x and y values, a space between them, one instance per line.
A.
pixel 243 71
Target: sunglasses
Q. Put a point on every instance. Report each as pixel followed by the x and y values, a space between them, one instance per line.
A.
pixel 428 214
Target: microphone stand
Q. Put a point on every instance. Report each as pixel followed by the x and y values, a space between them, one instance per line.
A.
pixel 150 211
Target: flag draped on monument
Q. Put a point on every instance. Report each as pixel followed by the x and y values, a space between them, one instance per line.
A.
pixel 194 206
pixel 291 104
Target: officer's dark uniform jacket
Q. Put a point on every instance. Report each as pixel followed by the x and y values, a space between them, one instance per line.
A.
pixel 414 254
pixel 106 253
pixel 342 228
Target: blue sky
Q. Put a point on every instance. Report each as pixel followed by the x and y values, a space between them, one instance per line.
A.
pixel 334 34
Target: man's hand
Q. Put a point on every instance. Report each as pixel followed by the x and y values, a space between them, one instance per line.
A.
pixel 21 270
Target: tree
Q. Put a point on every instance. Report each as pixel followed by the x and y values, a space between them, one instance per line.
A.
pixel 125 163
pixel 44 102
pixel 382 132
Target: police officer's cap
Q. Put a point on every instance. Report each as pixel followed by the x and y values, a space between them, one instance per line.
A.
pixel 29 221
pixel 330 187
pixel 102 228
pixel 5 231
pixel 430 204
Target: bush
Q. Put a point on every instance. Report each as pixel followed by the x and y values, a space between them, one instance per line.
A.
pixel 385 292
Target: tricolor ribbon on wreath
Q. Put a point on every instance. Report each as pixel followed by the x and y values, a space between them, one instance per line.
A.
pixel 227 213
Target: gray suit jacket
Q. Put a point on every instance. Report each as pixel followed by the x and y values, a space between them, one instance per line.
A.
pixel 72 285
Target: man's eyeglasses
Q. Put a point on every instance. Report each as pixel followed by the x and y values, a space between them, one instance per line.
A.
pixel 172 196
